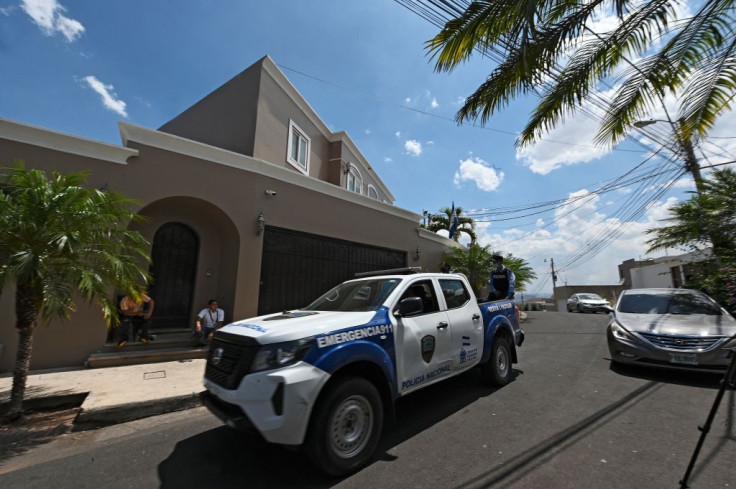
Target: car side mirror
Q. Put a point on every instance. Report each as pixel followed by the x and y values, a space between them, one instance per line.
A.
pixel 608 309
pixel 410 306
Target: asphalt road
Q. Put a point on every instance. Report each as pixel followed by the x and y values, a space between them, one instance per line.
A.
pixel 566 421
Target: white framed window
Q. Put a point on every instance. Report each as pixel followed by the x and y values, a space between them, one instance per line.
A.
pixel 297 154
pixel 372 192
pixel 355 180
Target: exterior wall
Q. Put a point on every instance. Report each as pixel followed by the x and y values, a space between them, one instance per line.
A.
pixel 653 276
pixel 219 194
pixel 225 118
pixel 272 131
pixel 658 272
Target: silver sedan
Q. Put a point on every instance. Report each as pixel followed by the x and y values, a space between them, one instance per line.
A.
pixel 671 328
pixel 587 302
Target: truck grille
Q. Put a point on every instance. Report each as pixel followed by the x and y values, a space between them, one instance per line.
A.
pixel 235 354
pixel 699 343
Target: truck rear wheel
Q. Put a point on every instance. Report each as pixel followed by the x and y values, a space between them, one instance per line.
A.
pixel 498 368
pixel 346 426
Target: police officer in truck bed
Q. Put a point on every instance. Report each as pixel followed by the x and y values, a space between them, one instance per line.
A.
pixel 502 280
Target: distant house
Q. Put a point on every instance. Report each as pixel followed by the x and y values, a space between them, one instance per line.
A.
pixel 664 271
pixel 249 198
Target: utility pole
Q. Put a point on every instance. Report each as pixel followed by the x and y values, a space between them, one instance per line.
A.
pixel 554 281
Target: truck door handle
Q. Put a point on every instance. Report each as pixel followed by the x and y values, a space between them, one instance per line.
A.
pixel 476 316
pixel 442 325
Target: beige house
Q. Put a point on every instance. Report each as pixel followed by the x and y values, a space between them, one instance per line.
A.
pixel 249 198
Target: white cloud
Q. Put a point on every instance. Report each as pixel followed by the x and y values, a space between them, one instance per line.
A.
pixel 387 159
pixel 397 134
pixel 540 223
pixel 6 11
pixel 407 100
pixel 460 101
pixel 478 171
pixel 413 147
pixel 49 16
pixel 571 232
pixel 109 98
pixel 367 131
pixel 430 143
pixel 434 103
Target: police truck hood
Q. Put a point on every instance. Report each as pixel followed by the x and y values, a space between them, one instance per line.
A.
pixel 296 324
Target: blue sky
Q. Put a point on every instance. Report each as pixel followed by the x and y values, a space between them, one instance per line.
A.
pixel 81 66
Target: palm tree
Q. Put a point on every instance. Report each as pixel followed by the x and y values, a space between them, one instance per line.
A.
pixel 443 219
pixel 694 222
pixel 474 262
pixel 523 272
pixel 550 42
pixel 59 242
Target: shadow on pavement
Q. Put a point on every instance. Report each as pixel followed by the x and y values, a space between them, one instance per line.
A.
pixel 705 380
pixel 225 458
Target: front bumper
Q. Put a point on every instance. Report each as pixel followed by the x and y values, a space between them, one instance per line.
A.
pixel 276 403
pixel 593 308
pixel 642 353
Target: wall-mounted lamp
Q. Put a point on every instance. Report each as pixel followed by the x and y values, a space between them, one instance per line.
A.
pixel 417 253
pixel 260 224
pixel 271 193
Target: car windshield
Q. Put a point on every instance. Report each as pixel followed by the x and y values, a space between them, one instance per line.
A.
pixel 359 296
pixel 681 303
pixel 590 297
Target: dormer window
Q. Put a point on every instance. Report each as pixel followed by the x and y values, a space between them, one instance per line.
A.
pixel 299 145
pixel 372 192
pixel 355 181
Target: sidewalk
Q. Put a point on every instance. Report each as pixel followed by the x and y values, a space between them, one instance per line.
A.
pixel 115 394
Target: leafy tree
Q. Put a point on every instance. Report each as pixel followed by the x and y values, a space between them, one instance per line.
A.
pixel 61 242
pixel 550 42
pixel 475 262
pixel 443 219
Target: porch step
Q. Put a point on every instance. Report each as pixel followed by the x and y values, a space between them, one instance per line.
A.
pixel 163 340
pixel 167 346
pixel 151 355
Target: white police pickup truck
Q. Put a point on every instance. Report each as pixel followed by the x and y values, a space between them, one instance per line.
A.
pixel 326 376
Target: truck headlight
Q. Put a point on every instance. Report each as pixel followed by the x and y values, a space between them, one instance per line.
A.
pixel 280 355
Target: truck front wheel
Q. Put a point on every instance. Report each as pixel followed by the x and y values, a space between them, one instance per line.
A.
pixel 498 368
pixel 346 426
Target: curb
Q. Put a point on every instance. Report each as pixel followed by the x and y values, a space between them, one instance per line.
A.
pixel 108 416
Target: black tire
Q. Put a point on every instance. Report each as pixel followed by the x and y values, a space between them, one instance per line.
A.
pixel 580 309
pixel 346 426
pixel 497 370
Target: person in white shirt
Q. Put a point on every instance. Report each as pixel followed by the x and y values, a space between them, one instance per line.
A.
pixel 209 319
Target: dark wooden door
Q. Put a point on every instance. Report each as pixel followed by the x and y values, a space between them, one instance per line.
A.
pixel 297 267
pixel 173 267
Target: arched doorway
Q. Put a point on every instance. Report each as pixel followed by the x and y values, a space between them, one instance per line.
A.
pixel 174 265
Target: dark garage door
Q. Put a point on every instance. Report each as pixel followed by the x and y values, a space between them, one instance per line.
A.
pixel 298 267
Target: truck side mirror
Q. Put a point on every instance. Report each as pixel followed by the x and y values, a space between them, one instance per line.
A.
pixel 410 306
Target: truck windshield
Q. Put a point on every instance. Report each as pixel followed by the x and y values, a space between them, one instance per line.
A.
pixel 359 296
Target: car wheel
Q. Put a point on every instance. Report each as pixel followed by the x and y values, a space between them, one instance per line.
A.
pixel 346 426
pixel 580 309
pixel 497 370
